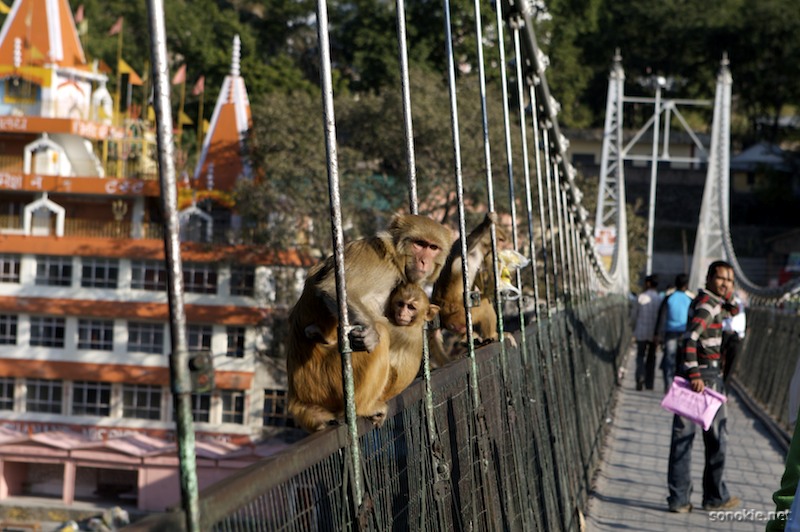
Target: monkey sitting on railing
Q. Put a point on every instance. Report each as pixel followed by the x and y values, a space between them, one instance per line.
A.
pixel 448 294
pixel 409 252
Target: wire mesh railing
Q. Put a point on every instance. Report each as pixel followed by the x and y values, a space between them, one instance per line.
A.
pixel 507 437
pixel 523 461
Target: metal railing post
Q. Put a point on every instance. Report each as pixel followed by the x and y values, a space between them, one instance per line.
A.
pixel 179 359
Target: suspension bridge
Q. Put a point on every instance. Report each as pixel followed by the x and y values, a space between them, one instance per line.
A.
pixel 548 434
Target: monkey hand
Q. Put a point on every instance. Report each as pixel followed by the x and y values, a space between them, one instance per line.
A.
pixel 363 337
pixel 492 217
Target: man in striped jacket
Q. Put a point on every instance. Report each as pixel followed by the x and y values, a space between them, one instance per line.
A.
pixel 703 367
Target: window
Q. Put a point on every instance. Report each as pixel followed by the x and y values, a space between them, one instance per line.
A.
pixel 43 396
pixel 235 342
pixel 11 214
pixel 145 337
pixel 243 280
pixel 194 228
pixel 199 337
pixel 99 273
pixel 200 278
pixel 9 268
pixel 91 398
pixel 96 334
pixel 7 393
pixel 148 275
pixel 140 401
pixel 201 407
pixel 19 90
pixel 275 412
pixel 8 329
pixel 53 271
pixel 232 406
pixel 47 332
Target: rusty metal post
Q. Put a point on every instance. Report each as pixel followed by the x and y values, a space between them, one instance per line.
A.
pixel 179 359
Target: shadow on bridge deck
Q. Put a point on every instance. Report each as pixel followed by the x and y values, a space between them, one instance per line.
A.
pixel 631 486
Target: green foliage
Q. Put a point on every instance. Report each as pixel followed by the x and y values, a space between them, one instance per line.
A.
pixel 680 38
pixel 685 39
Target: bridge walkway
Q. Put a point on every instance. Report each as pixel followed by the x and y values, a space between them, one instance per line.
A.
pixel 630 489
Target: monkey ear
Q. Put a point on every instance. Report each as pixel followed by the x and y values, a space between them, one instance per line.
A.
pixel 433 310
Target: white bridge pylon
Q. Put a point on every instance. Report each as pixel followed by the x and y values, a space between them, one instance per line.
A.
pixel 713 240
pixel 715 209
pixel 616 151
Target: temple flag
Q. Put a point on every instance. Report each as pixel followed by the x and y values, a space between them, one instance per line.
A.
pixel 116 28
pixel 180 75
pixel 133 77
pixel 200 86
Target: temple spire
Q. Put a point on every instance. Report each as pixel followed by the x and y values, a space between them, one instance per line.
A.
pixel 224 154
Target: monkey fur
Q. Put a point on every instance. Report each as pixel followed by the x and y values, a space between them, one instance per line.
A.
pixel 448 293
pixel 409 251
pixel 406 336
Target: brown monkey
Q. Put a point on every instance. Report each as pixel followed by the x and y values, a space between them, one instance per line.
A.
pixel 408 311
pixel 409 251
pixel 448 291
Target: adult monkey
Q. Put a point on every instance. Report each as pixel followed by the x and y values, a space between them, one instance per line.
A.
pixel 448 292
pixel 409 251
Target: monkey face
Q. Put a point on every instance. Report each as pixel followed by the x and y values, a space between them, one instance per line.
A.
pixel 405 312
pixel 421 263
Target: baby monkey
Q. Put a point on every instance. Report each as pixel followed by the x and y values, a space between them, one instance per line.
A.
pixel 407 311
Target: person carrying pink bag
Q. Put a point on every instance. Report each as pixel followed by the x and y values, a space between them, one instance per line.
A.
pixel 702 367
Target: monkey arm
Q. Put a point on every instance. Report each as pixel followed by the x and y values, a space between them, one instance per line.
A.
pixel 371 273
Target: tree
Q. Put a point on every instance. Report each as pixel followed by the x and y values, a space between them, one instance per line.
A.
pixel 764 63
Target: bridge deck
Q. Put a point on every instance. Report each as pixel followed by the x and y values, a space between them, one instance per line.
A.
pixel 631 487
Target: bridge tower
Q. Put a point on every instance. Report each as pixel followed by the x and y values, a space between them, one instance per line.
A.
pixel 611 167
pixel 610 228
pixel 712 229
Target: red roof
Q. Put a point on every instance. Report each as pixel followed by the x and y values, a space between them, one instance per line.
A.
pixel 46 30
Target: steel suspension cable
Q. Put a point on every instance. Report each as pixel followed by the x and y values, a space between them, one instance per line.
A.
pixel 179 358
pixel 537 142
pixel 477 415
pixel 337 235
pixel 548 178
pixel 512 198
pixel 438 460
pixel 411 164
pixel 562 250
pixel 487 155
pixel 523 131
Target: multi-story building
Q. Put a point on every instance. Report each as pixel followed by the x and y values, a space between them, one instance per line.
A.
pixel 84 320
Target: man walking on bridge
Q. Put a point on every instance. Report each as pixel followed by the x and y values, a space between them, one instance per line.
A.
pixel 703 367
pixel 644 330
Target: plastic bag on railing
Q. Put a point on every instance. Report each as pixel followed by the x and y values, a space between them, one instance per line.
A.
pixel 510 260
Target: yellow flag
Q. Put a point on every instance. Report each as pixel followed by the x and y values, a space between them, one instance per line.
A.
pixel 4 9
pixel 185 120
pixel 124 68
pixel 205 125
pixel 151 113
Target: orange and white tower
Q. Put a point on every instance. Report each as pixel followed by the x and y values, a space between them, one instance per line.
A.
pixel 221 161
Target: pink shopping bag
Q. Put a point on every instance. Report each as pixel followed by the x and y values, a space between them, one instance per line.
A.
pixel 697 407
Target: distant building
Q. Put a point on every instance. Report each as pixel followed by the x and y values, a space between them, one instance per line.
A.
pixel 85 404
pixel 752 168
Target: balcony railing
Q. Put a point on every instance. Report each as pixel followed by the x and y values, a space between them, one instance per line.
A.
pixel 131 168
pixel 91 228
